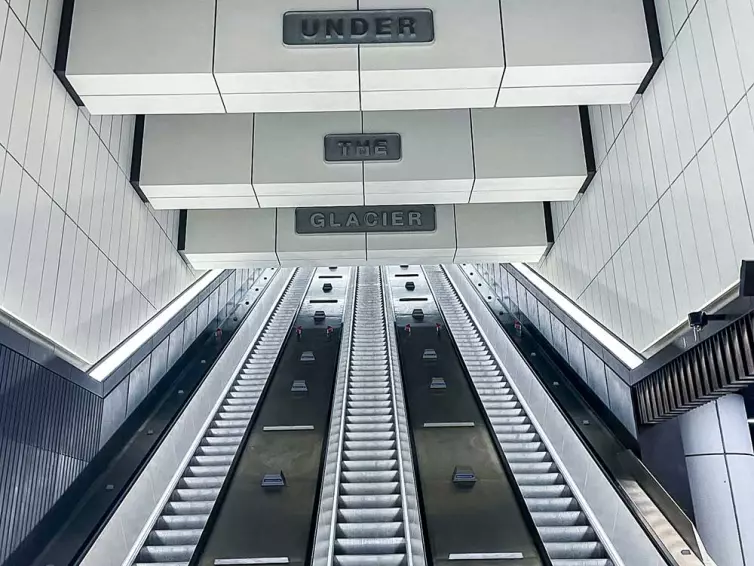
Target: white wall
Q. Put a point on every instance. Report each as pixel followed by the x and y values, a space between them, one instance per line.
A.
pixel 663 227
pixel 82 259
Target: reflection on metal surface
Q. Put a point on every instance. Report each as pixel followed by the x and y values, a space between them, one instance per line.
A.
pixel 291 428
pixel 354 27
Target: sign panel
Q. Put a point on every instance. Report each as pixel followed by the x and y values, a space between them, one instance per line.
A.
pixel 363 219
pixel 362 147
pixel 354 27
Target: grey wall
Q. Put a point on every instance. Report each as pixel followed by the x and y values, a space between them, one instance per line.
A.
pixel 83 261
pixel 663 227
pixel 49 430
pixel 54 419
pixel 599 370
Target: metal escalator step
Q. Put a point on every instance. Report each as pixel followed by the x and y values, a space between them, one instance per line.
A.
pixel 174 537
pixel 370 530
pixel 528 457
pixel 216 449
pixel 377 476
pixel 522 447
pixel 369 446
pixel 581 533
pixel 539 491
pixel 369 515
pixel 558 518
pixel 206 471
pixel 547 478
pixel 369 465
pixel 378 560
pixel 181 494
pixel 201 482
pixel 577 550
pixel 369 488
pixel 181 522
pixel 188 507
pixel 372 436
pixel 387 545
pixel 366 501
pixel 369 454
pixel 533 467
pixel 170 553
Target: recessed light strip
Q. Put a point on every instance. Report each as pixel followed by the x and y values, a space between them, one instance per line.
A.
pixel 618 348
pixel 114 359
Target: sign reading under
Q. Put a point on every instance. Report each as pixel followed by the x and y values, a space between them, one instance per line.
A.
pixel 358 26
pixel 361 219
pixel 363 147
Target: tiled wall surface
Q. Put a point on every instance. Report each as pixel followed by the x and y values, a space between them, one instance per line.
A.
pixel 585 356
pixel 82 259
pixel 664 225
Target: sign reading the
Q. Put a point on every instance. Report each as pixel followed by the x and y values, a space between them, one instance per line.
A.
pixel 363 147
pixel 361 219
pixel 353 27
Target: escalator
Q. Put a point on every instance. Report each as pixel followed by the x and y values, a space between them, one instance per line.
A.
pixel 177 530
pixel 368 509
pixel 375 424
pixel 568 537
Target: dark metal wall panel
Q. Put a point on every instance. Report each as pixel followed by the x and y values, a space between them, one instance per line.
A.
pixel 721 364
pixel 49 430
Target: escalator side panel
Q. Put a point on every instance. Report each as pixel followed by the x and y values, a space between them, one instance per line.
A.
pixel 485 518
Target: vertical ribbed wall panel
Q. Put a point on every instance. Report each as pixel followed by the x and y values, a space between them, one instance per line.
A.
pixel 49 430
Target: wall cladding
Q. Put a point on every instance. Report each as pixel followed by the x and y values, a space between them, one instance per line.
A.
pixel 49 430
pixel 83 260
pixel 668 218
pixel 598 369
pixel 52 427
